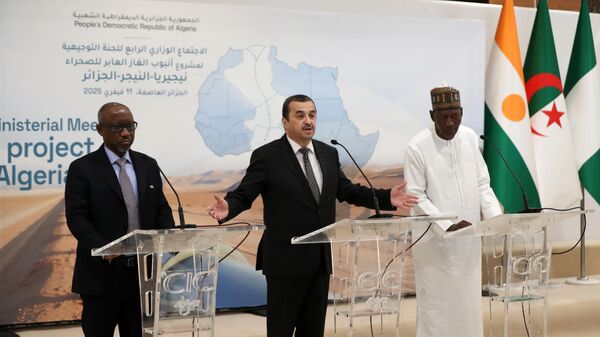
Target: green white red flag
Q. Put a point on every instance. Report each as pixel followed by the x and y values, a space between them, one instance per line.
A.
pixel 557 178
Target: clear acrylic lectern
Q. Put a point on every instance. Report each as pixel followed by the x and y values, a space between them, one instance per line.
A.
pixel 368 264
pixel 178 272
pixel 518 250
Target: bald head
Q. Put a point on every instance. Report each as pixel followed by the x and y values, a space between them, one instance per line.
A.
pixel 110 107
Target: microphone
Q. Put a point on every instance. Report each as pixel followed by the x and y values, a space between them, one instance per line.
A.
pixel 378 213
pixel 523 194
pixel 182 224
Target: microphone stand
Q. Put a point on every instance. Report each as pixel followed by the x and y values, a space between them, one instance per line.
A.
pixel 182 224
pixel 523 194
pixel 378 213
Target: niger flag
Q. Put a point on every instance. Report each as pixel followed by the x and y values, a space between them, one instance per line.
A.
pixel 506 121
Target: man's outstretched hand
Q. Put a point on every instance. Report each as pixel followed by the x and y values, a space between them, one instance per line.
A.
pixel 400 199
pixel 219 210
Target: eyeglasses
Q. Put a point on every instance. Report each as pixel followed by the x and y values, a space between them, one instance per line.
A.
pixel 119 128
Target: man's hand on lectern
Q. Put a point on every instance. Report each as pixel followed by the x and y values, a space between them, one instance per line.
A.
pixel 459 225
pixel 109 258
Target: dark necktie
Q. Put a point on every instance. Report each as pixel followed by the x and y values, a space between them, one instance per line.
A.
pixel 310 175
pixel 133 215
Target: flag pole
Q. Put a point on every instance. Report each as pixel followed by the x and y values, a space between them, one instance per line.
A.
pixel 582 279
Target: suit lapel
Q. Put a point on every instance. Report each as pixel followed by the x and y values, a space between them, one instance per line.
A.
pixel 106 169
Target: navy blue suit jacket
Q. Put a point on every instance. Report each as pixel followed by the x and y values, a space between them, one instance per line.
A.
pixel 96 214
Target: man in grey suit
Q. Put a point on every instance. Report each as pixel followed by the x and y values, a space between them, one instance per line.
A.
pixel 299 179
pixel 109 193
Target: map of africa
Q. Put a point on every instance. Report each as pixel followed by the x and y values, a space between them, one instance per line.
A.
pixel 240 102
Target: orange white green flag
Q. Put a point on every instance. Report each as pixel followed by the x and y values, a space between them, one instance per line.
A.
pixel 506 120
pixel 557 179
pixel 582 91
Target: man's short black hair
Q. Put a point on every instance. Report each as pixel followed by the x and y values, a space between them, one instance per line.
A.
pixel 285 111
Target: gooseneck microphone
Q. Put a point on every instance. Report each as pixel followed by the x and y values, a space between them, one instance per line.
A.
pixel 378 213
pixel 523 194
pixel 182 223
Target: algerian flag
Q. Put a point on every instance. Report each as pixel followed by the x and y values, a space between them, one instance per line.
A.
pixel 506 122
pixel 582 89
pixel 558 183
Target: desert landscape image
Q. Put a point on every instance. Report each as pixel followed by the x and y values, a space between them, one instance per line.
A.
pixel 38 251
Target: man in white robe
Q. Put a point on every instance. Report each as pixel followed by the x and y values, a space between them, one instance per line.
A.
pixel 444 168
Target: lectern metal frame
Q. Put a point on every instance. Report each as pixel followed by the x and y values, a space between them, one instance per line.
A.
pixel 368 265
pixel 178 272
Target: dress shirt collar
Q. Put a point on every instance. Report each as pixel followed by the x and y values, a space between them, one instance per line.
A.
pixel 296 147
pixel 113 157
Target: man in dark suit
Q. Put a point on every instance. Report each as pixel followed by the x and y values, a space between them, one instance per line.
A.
pixel 299 179
pixel 109 193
